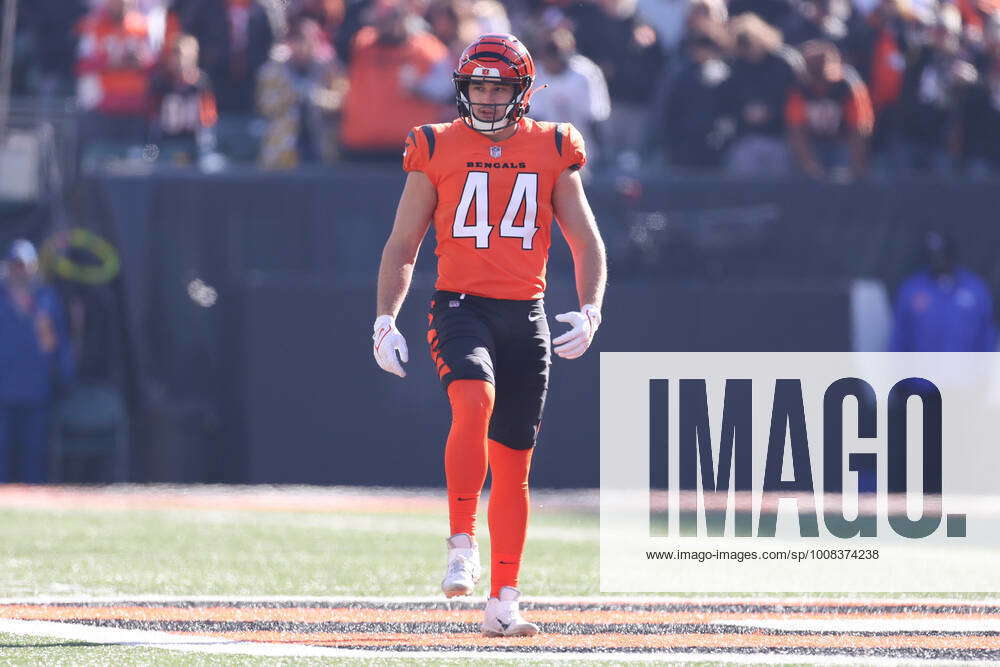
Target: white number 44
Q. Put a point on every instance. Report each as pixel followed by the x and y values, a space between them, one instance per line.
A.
pixel 477 188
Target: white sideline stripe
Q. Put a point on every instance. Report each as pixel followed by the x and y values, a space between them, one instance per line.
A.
pixel 216 645
pixel 921 624
pixel 752 599
pixel 147 638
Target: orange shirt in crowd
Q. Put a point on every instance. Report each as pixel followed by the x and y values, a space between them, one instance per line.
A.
pixel 888 68
pixel 827 112
pixel 113 63
pixel 379 110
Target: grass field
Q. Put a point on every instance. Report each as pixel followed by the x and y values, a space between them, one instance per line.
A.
pixel 107 558
pixel 201 551
pixel 63 551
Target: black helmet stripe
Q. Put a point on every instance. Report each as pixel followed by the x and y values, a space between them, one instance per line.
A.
pixel 495 56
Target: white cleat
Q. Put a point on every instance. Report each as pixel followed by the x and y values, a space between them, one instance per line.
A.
pixel 464 569
pixel 503 618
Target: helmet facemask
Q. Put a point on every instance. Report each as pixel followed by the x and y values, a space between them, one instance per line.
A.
pixel 511 111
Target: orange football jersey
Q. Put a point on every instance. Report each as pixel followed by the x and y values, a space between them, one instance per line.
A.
pixel 494 215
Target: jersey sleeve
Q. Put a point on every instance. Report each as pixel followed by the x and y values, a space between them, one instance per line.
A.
pixel 795 109
pixel 858 111
pixel 415 151
pixel 573 151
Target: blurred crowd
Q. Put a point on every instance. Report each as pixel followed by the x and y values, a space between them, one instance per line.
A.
pixel 821 88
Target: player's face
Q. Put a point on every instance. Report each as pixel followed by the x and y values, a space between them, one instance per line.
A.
pixel 490 100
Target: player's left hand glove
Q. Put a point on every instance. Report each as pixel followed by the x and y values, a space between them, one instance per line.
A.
pixel 575 342
pixel 387 340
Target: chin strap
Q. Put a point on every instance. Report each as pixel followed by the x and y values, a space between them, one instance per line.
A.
pixel 531 93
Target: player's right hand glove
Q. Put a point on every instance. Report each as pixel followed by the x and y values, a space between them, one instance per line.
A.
pixel 386 342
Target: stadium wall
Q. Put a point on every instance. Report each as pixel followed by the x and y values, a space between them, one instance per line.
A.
pixel 248 300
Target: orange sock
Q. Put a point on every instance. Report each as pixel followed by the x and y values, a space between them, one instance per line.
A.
pixel 465 451
pixel 508 513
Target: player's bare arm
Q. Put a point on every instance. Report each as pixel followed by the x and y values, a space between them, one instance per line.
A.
pixel 576 219
pixel 413 216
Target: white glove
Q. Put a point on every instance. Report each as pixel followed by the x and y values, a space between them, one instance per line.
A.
pixel 575 342
pixel 387 341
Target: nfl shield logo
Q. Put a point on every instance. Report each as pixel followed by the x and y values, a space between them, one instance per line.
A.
pixel 494 151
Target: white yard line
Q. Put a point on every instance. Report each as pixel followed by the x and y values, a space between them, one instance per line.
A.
pixel 221 646
pixel 193 643
pixel 926 623
pixel 759 598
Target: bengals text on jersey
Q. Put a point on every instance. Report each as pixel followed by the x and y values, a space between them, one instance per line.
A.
pixel 494 214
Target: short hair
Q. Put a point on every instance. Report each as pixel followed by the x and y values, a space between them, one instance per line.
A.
pixel 751 27
pixel 820 47
pixel 184 42
pixel 708 35
pixel 303 27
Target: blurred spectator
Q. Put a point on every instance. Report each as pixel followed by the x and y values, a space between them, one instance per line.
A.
pixel 455 25
pixel 91 305
pixel 628 51
pixel 50 29
pixel 697 122
pixel 489 16
pixel 298 92
pixel 235 38
pixel 883 45
pixel 817 19
pixel 113 69
pixel 944 308
pixel 668 18
pixel 160 25
pixel 35 362
pixel 356 14
pixel 328 14
pixel 777 13
pixel 829 115
pixel 706 15
pixel 389 59
pixel 450 24
pixel 184 104
pixel 979 143
pixel 575 89
pixel 764 72
pixel 938 78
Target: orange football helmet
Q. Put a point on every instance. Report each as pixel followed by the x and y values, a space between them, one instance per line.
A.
pixel 497 58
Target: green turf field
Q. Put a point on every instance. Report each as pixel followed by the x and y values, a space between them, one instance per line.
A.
pixel 91 552
pixel 195 552
pixel 57 549
pixel 20 650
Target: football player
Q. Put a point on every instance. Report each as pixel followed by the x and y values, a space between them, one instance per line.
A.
pixel 492 182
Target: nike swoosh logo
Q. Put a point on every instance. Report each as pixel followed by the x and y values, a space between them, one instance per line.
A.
pixel 534 318
pixel 503 562
pixel 502 624
pixel 466 498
